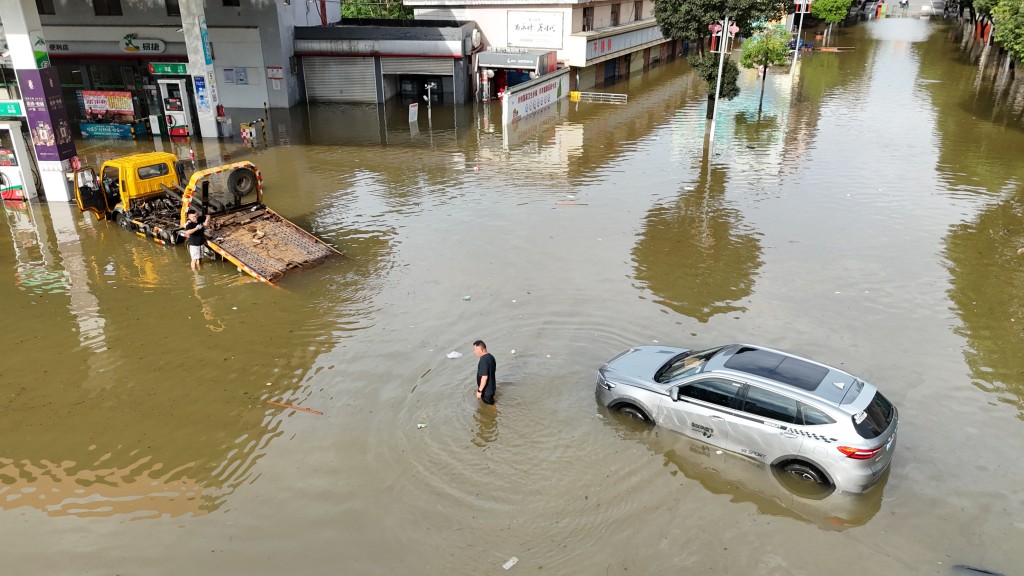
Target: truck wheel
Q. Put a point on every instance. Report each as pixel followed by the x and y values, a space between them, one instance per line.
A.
pixel 241 181
pixel 124 222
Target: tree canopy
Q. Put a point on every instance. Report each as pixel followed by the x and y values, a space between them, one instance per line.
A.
pixel 1009 32
pixel 767 48
pixel 831 11
pixel 706 66
pixel 689 19
pixel 383 9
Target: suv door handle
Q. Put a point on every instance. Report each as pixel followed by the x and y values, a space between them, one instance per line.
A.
pixel 714 417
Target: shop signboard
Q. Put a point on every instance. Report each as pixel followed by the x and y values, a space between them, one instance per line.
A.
pixel 47 116
pixel 623 42
pixel 204 37
pixel 532 29
pixel 39 49
pixel 168 68
pixel 132 44
pixel 529 97
pixel 104 102
pixel 11 108
pixel 106 130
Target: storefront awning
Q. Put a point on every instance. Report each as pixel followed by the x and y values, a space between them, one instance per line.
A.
pixel 522 60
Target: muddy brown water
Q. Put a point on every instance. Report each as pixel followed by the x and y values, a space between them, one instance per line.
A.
pixel 869 218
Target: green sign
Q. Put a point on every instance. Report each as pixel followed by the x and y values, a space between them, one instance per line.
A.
pixel 11 108
pixel 176 68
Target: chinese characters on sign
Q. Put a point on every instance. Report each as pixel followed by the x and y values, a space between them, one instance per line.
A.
pixel 537 95
pixel 47 117
pixel 97 102
pixel 535 29
pixel 202 99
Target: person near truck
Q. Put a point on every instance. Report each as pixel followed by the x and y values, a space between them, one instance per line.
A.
pixel 195 233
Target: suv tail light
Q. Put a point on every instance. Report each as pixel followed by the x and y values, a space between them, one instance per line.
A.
pixel 859 453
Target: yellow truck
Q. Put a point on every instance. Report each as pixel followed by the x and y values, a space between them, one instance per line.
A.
pixel 150 195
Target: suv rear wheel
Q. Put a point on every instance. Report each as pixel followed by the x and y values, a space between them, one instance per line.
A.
pixel 805 473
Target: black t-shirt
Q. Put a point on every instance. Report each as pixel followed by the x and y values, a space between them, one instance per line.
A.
pixel 486 367
pixel 198 238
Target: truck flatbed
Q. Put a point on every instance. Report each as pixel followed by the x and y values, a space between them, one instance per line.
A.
pixel 263 244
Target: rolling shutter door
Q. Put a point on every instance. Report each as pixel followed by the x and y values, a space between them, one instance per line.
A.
pixel 339 79
pixel 588 77
pixel 409 65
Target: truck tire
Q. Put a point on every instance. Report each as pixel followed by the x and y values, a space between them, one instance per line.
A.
pixel 241 181
pixel 124 222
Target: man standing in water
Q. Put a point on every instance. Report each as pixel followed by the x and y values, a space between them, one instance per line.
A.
pixel 195 233
pixel 485 368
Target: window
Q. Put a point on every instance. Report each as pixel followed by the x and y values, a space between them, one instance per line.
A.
pixel 588 19
pixel 876 418
pixel 638 10
pixel 172 7
pixel 778 367
pixel 615 15
pixel 233 3
pixel 770 405
pixel 154 171
pixel 813 416
pixel 45 7
pixel 107 7
pixel 717 392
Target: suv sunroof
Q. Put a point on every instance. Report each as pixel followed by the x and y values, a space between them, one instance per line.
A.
pixel 775 366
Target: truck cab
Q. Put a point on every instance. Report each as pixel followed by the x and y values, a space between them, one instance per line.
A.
pixel 125 183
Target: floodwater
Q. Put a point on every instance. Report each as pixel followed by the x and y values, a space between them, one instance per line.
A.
pixel 868 218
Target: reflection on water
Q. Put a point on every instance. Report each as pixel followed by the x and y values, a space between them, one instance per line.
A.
pixel 987 275
pixel 486 418
pixel 694 253
pixel 747 481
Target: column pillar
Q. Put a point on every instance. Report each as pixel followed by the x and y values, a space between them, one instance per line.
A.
pixel 200 65
pixel 40 89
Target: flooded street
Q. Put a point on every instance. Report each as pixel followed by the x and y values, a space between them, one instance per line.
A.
pixel 869 219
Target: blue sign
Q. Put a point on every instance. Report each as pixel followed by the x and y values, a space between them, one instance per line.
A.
pixel 202 98
pixel 204 36
pixel 112 130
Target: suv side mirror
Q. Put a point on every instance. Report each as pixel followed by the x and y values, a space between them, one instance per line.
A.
pixel 673 393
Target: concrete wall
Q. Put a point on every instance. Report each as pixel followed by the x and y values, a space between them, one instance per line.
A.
pixel 239 49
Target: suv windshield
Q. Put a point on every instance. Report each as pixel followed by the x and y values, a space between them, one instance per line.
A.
pixel 875 419
pixel 685 365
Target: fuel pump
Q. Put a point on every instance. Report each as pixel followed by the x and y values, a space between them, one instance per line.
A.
pixel 16 172
pixel 176 104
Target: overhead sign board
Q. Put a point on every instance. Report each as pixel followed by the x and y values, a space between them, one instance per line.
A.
pixel 168 68
pixel 132 44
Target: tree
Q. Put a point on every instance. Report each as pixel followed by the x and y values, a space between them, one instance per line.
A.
pixel 831 11
pixel 706 66
pixel 768 48
pixel 384 9
pixel 689 19
pixel 1009 18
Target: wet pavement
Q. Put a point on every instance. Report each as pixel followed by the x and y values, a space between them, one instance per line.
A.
pixel 868 218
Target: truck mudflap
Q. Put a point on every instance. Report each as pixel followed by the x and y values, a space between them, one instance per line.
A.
pixel 263 244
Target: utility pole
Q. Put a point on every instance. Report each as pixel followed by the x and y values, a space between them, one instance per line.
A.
pixel 799 33
pixel 718 82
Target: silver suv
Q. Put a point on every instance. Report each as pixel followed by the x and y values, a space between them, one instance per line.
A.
pixel 815 422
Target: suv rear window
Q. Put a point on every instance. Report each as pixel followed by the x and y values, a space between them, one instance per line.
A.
pixel 778 367
pixel 875 419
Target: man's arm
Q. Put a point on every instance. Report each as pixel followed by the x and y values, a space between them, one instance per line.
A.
pixel 483 383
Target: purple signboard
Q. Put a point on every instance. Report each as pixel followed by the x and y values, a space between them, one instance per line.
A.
pixel 47 117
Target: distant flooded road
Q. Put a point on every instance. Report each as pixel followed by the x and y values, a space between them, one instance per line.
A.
pixel 869 218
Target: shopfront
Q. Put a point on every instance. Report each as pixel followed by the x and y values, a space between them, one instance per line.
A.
pixel 500 69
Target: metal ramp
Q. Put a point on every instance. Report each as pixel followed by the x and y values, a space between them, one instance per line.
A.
pixel 600 97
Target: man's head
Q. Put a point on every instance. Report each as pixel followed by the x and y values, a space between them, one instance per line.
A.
pixel 479 348
pixel 193 216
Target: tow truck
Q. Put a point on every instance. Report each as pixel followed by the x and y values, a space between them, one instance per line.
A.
pixel 150 195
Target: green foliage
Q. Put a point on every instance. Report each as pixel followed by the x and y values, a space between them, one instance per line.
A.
pixel 1009 32
pixel 383 9
pixel 689 19
pixel 706 66
pixel 768 48
pixel 831 11
pixel 985 8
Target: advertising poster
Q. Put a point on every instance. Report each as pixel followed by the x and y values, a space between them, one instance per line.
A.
pixel 525 99
pixel 535 29
pixel 102 102
pixel 47 116
pixel 202 98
